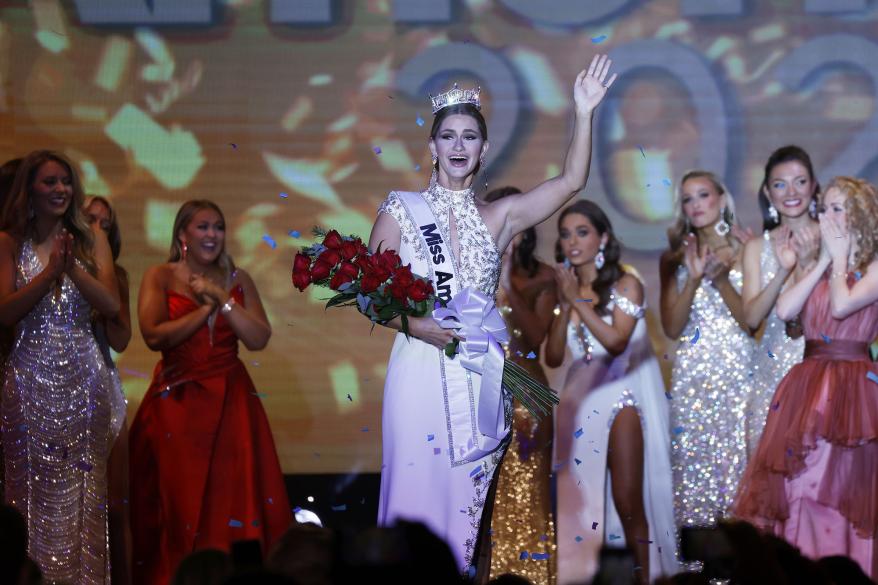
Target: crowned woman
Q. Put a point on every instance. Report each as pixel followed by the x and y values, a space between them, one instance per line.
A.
pixel 446 427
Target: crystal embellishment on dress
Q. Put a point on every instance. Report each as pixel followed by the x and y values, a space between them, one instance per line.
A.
pixel 455 96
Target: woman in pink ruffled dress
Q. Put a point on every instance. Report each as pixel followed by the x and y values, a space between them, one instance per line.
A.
pixel 814 479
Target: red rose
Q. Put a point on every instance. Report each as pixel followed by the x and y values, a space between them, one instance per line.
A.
pixel 348 250
pixel 333 240
pixel 331 257
pixel 388 260
pixel 364 262
pixel 301 271
pixel 349 269
pixel 347 272
pixel 320 271
pixel 403 276
pixel 370 283
pixel 362 250
pixel 398 291
pixel 420 290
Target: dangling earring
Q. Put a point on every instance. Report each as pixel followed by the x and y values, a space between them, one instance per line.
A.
pixel 773 214
pixel 599 259
pixel 185 251
pixel 722 227
pixel 812 208
pixel 435 160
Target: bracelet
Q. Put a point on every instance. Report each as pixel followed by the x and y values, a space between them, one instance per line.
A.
pixel 227 307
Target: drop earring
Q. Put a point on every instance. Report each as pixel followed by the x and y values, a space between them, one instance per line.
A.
pixel 722 227
pixel 773 214
pixel 599 259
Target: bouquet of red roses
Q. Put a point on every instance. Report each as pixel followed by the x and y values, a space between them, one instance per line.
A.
pixel 382 289
pixel 378 284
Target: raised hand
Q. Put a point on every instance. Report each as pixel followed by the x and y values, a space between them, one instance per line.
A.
pixel 694 260
pixel 806 244
pixel 836 238
pixel 783 248
pixel 59 256
pixel 591 85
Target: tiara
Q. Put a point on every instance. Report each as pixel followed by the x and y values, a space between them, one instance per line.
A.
pixel 456 96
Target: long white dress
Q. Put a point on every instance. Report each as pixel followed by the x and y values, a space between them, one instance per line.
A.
pixel 595 390
pixel 419 480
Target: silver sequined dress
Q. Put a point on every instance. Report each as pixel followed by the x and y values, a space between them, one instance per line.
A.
pixel 773 358
pixel 56 433
pixel 710 389
pixel 418 480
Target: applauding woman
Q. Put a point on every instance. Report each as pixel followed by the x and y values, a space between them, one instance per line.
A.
pixel 701 307
pixel 611 439
pixel 204 471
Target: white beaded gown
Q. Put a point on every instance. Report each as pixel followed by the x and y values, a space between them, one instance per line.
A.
pixel 710 391
pixel 418 480
pixel 597 387
pixel 773 357
pixel 57 434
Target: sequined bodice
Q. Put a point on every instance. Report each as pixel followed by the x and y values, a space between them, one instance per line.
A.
pixel 478 262
pixel 709 311
pixel 66 310
pixel 774 339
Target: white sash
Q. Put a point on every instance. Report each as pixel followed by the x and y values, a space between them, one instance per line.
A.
pixel 477 424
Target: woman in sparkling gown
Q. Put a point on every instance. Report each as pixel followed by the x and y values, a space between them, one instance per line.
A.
pixel 54 271
pixel 788 198
pixel 204 470
pixel 611 434
pixel 114 334
pixel 522 518
pixel 440 470
pixel 701 307
pixel 814 478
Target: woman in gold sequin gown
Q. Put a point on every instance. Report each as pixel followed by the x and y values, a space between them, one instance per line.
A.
pixel 522 516
pixel 56 413
pixel 701 307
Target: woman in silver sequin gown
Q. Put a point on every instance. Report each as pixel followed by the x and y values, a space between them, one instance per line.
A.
pixel 612 446
pixel 787 197
pixel 114 334
pixel 701 307
pixel 56 395
pixel 420 479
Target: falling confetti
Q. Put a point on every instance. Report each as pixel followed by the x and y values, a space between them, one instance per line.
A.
pixel 696 337
pixel 598 39
pixel 417 167
pixel 294 233
pixel 615 537
pixel 579 538
pixel 364 430
pixel 666 182
pixel 668 396
pixel 419 121
pixel 584 300
pixel 775 406
pixel 233 145
pixel 539 556
pixel 349 398
pixel 678 430
pixel 872 376
pixel 594 525
pixel 826 338
pixel 771 355
pixel 523 556
pixel 578 462
pixel 436 450
pixel 235 523
pixel 531 356
pixel 284 195
pixel 376 149
pixel 431 437
pixel 641 151
pixel 270 241
pixel 578 433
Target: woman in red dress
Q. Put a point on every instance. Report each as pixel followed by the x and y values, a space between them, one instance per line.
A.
pixel 204 470
pixel 814 479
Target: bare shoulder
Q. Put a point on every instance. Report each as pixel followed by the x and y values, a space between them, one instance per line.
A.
pixel 158 275
pixel 242 278
pixel 630 287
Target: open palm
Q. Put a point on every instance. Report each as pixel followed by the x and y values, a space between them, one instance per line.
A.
pixel 591 85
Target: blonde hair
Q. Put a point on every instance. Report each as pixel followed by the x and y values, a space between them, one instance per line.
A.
pixel 861 206
pixel 181 222
pixel 18 219
pixel 681 227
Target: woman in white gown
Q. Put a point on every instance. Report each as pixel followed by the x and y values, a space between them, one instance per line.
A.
pixel 611 436
pixel 439 461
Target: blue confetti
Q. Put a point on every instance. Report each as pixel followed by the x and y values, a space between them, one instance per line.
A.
pixel 678 430
pixel 578 433
pixel 615 537
pixel 668 396
pixel 270 241
pixel 583 300
pixel 340 508
pixel 696 337
pixel 431 437
pixel 666 182
pixel 296 510
pixel 826 338
pixel 283 195
pixel 872 376
pixel 419 121
pixel 858 275
pixel 594 525
pixel 539 556
pixel 641 151
pixel 771 355
pixel 364 430
pixel 417 167
pixel 436 450
pixel 531 356
pixel 376 149
pixel 775 406
pixel 578 538
pixel 523 556
pixel 578 462
pixel 235 523
pixel 598 39
pixel 294 233
pixel 471 571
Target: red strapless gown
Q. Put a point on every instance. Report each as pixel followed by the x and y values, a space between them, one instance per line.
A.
pixel 814 478
pixel 204 470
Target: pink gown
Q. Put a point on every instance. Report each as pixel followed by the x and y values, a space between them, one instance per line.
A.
pixel 814 478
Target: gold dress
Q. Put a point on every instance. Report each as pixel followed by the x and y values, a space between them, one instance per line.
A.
pixel 521 523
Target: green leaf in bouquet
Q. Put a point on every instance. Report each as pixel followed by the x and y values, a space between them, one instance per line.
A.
pixel 536 397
